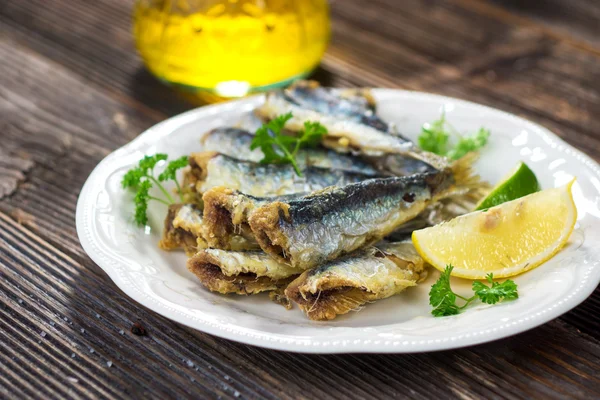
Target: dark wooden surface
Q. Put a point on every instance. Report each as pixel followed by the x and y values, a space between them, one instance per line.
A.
pixel 72 89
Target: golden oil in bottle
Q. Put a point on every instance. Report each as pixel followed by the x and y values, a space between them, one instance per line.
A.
pixel 234 47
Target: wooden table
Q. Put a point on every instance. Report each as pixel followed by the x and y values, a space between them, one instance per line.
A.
pixel 72 89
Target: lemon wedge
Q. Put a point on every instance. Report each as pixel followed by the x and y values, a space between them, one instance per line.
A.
pixel 505 240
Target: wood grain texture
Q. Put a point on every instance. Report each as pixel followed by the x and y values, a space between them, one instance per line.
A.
pixel 576 21
pixel 72 92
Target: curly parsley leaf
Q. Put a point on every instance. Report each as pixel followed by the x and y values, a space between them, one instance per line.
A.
pixel 312 134
pixel 441 296
pixel 141 199
pixel 467 144
pixel 443 299
pixel 132 178
pixel 149 162
pixel 278 148
pixel 272 143
pixel 435 137
pixel 506 290
pixel 141 179
pixel 170 171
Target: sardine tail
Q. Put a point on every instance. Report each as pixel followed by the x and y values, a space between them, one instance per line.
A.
pixel 465 179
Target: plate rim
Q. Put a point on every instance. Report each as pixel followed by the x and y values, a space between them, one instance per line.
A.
pixel 274 341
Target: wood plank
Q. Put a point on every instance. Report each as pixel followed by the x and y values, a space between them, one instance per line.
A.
pixel 417 48
pixel 44 281
pixel 576 20
pixel 72 92
pixel 520 71
pixel 13 169
pixel 452 84
pixel 517 70
pixel 54 140
pixel 59 296
pixel 101 49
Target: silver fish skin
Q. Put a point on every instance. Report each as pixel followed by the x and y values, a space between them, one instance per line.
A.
pixel 231 141
pixel 327 224
pixel 247 272
pixel 350 104
pixel 210 169
pixel 347 283
pixel 349 127
pixel 235 142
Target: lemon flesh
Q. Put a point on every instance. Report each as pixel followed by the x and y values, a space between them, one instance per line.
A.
pixel 520 182
pixel 505 240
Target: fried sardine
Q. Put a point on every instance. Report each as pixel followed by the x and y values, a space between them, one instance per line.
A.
pixel 351 123
pixel 235 142
pixel 182 229
pixel 345 284
pixel 184 226
pixel 211 169
pixel 226 213
pixel 324 225
pixel 248 272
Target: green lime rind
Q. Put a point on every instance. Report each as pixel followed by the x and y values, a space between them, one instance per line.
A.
pixel 521 182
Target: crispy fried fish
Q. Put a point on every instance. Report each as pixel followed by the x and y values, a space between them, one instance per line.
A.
pixel 350 119
pixel 211 169
pixel 345 284
pixel 226 213
pixel 235 142
pixel 247 272
pixel 327 224
pixel 182 229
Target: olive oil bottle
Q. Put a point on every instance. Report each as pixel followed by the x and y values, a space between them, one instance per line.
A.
pixel 231 48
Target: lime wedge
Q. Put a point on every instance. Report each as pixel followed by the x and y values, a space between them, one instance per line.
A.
pixel 520 182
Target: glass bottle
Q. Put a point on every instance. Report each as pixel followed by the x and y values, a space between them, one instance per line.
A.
pixel 231 48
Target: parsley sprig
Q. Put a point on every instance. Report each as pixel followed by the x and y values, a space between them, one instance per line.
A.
pixel 435 137
pixel 141 179
pixel 278 148
pixel 443 299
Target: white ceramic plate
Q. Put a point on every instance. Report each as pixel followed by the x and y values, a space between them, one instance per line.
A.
pixel 400 324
